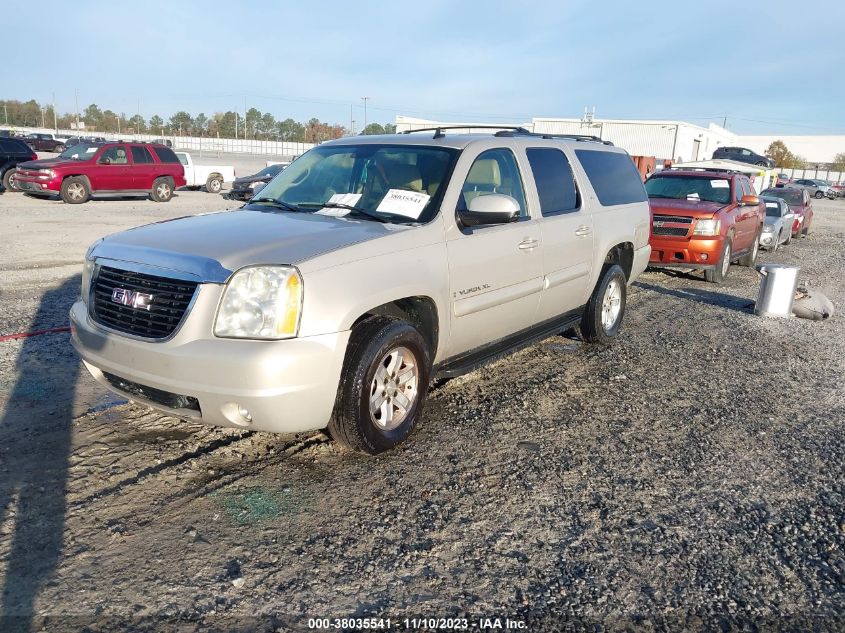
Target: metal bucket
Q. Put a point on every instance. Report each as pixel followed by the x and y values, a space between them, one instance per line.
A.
pixel 777 290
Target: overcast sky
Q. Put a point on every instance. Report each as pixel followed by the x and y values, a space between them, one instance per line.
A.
pixel 769 67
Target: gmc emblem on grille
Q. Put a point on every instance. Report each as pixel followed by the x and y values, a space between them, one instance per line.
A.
pixel 658 223
pixel 131 298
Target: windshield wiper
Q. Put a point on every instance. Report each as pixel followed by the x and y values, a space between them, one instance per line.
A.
pixel 362 211
pixel 277 203
pixel 659 195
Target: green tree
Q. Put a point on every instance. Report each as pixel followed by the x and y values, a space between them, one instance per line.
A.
pixel 182 121
pixel 838 162
pixel 136 122
pixel 389 128
pixel 373 128
pixel 108 123
pixel 93 116
pixel 225 124
pixel 253 116
pixel 290 130
pixel 156 123
pixel 267 125
pixel 200 123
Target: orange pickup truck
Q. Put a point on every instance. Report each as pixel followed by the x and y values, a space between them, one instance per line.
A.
pixel 703 220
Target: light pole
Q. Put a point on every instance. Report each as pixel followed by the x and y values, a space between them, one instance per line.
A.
pixel 76 100
pixel 365 99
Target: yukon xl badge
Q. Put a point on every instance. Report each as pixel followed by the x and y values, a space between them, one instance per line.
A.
pixel 470 291
pixel 132 298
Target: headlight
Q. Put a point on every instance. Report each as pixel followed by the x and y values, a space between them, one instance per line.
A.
pixel 88 271
pixel 262 302
pixel 768 228
pixel 710 226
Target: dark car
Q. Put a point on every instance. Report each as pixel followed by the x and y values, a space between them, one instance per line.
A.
pixel 743 155
pixel 243 188
pixel 801 205
pixel 13 151
pixel 104 169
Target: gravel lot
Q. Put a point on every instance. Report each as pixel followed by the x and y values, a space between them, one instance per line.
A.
pixel 688 477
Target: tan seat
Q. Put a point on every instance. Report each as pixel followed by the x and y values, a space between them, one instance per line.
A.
pixel 484 177
pixel 402 176
pixel 121 156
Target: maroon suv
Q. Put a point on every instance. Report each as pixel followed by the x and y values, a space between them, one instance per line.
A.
pixel 104 169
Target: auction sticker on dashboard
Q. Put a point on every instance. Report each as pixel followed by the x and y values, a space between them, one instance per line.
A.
pixel 350 199
pixel 403 202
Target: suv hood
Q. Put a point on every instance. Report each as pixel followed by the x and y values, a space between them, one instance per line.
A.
pixel 213 246
pixel 692 208
pixel 50 163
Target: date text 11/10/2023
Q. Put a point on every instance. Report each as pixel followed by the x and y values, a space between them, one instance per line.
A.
pixel 415 624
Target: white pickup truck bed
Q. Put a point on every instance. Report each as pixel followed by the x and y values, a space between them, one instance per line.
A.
pixel 211 177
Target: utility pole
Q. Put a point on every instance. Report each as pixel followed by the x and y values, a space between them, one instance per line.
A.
pixel 352 119
pixel 6 111
pixel 55 117
pixel 365 99
pixel 117 116
pixel 77 109
pixel 139 119
pixel 244 117
pixel 42 117
pixel 236 125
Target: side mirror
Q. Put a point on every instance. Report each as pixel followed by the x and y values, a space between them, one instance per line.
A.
pixel 105 161
pixel 749 201
pixel 491 208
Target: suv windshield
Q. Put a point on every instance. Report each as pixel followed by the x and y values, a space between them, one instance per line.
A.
pixel 792 196
pixel 397 183
pixel 689 188
pixel 84 151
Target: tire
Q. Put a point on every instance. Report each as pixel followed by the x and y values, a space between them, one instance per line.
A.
pixel 214 184
pixel 59 149
pixel 788 236
pixel 9 180
pixel 375 344
pixel 818 195
pixel 606 307
pixel 717 275
pixel 75 190
pixel 774 247
pixel 749 259
pixel 162 190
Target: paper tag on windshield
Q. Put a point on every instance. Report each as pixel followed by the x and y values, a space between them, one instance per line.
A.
pixel 341 198
pixel 719 184
pixel 403 202
pixel 90 150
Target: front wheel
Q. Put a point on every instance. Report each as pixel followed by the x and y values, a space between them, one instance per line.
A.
pixel 9 180
pixel 818 195
pixel 214 184
pixel 383 385
pixel 774 247
pixel 162 190
pixel 717 275
pixel 75 190
pixel 606 307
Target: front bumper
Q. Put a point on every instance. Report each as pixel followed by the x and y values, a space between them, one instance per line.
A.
pixel 286 386
pixel 43 186
pixel 697 252
pixel 767 239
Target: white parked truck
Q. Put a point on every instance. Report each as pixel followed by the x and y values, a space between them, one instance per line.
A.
pixel 211 177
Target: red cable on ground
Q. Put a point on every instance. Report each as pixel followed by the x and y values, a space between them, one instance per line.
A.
pixel 12 337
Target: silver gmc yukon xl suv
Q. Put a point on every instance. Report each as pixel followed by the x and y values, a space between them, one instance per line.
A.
pixel 369 267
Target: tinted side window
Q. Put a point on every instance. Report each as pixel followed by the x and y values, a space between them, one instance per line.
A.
pixel 555 181
pixel 494 171
pixel 737 189
pixel 166 155
pixel 613 176
pixel 140 155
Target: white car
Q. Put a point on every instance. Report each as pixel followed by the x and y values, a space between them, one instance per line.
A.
pixel 367 268
pixel 211 177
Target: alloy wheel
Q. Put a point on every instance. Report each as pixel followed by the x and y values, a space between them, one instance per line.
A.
pixel 611 305
pixel 394 388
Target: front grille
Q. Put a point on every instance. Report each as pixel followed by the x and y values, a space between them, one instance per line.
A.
pixel 164 398
pixel 677 231
pixel 170 300
pixel 677 219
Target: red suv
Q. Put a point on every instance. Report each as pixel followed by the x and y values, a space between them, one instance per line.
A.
pixel 104 169
pixel 704 220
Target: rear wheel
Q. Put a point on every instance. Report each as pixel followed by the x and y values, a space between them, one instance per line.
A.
pixel 606 307
pixel 818 195
pixel 750 258
pixel 717 275
pixel 383 385
pixel 75 190
pixel 9 180
pixel 214 184
pixel 162 190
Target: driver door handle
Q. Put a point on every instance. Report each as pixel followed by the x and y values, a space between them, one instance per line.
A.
pixel 528 243
pixel 583 230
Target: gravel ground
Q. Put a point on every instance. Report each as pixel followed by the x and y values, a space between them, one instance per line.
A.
pixel 688 477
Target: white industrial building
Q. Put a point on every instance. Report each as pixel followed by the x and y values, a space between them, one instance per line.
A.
pixel 678 141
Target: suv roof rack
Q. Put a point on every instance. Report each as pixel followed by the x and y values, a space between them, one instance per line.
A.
pixel 710 169
pixel 438 130
pixel 509 130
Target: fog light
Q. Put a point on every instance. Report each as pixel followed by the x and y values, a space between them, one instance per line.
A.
pixel 703 257
pixel 236 413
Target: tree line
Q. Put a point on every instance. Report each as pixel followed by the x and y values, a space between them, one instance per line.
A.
pixel 256 125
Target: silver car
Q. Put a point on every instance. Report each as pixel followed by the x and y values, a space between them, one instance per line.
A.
pixel 816 188
pixel 777 228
